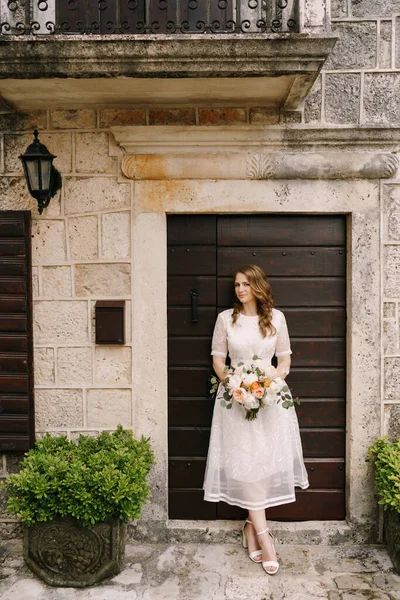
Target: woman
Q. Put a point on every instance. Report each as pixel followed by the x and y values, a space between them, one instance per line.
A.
pixel 253 464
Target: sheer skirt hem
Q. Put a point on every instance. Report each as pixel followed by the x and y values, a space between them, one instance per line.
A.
pixel 209 497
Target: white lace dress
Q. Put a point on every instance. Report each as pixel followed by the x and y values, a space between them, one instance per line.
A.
pixel 253 464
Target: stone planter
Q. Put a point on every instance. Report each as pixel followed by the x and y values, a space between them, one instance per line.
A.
pixel 392 535
pixel 64 554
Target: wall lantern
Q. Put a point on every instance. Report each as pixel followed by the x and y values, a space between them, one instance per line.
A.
pixel 41 176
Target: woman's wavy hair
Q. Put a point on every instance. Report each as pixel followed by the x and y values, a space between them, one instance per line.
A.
pixel 262 291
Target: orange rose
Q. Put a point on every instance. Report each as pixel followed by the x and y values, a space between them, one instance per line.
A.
pixel 266 382
pixel 255 385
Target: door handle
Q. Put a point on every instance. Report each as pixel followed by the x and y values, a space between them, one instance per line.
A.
pixel 194 297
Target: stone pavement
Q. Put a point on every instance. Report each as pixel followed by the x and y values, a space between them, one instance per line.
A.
pixel 220 572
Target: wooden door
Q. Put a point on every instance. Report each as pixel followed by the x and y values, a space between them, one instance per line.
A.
pixel 16 373
pixel 304 258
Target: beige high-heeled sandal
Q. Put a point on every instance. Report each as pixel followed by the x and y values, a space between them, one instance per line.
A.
pixel 252 555
pixel 269 563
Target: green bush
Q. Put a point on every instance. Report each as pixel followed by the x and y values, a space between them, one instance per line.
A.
pixel 385 457
pixel 92 480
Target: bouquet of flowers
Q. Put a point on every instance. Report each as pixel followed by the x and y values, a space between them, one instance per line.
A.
pixel 253 388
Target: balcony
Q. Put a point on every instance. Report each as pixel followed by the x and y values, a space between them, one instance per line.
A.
pixel 162 51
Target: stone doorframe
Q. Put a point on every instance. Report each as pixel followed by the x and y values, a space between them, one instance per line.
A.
pixel 194 170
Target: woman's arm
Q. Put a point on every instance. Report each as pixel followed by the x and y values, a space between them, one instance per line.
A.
pixel 219 366
pixel 283 367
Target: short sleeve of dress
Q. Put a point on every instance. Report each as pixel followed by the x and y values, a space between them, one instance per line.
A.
pixel 219 345
pixel 282 343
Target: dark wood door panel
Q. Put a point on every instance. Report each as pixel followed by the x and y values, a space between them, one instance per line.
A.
pixel 317 383
pixel 190 470
pixel 12 266
pixel 14 383
pixel 12 285
pixel 188 441
pixel 180 321
pixel 11 322
pixel 16 423
pixel 326 473
pixel 179 290
pixel 11 227
pixel 328 352
pixel 14 405
pixel 294 292
pixel 13 363
pixel 320 411
pixel 312 505
pixel 316 322
pixel 190 412
pixel 189 381
pixel 189 504
pixel 14 442
pixel 13 342
pixel 192 229
pixel 12 304
pixel 189 351
pixel 12 247
pixel 284 261
pixel 281 230
pixel 191 260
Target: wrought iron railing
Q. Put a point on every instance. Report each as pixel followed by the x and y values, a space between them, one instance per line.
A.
pixel 41 17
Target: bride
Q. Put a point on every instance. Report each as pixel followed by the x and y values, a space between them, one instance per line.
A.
pixel 253 464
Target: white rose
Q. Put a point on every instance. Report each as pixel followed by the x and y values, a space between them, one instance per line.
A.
pixel 234 382
pixel 250 378
pixel 251 402
pixel 274 387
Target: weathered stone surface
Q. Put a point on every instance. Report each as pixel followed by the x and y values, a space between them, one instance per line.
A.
pixel 172 116
pixel 122 116
pixel 12 122
pixel 48 242
pixel 56 282
pixel 241 587
pixel 342 98
pixel 109 407
pixel 92 154
pixel 56 143
pixel 356 47
pixel 58 408
pixel 374 8
pixel 381 94
pixel 291 117
pixel 387 582
pixel 338 9
pixel 28 589
pixel 312 105
pixel 389 310
pixel 83 237
pixel 35 282
pixel 222 116
pixel 391 276
pixel 390 337
pixel 14 195
pixel 44 366
pixel 74 366
pixel 13 462
pixel 131 575
pixel 60 321
pixel 116 235
pixel 385 45
pixel 397 45
pixel 365 596
pixel 84 195
pixel 73 119
pixel 392 378
pixel 391 212
pixel 99 279
pixel 261 115
pixel 351 582
pixel 392 423
pixel 113 365
pixel 315 14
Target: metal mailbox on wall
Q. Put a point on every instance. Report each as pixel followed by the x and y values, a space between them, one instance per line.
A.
pixel 110 322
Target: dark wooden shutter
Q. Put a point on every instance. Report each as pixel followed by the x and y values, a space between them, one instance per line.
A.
pixel 16 371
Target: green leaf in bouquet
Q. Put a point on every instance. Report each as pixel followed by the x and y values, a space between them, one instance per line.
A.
pixel 255 357
pixel 288 396
pixel 259 372
pixel 241 364
pixel 213 380
pixel 227 397
pixel 229 405
pixel 287 404
pixel 223 403
pixel 285 388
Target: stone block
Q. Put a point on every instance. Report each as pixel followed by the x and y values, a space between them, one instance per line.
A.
pixel 389 310
pixel 385 45
pixel 116 235
pixel 13 122
pixel 338 9
pixel 374 8
pixel 360 595
pixel 13 462
pixel 48 242
pixel 264 115
pixel 342 98
pixel 56 282
pixel 60 321
pixel 314 14
pixel 351 582
pixel 291 117
pixel 222 116
pixel 83 195
pixel 14 195
pixel 58 408
pixel 73 119
pixel 56 143
pixel 392 426
pixel 35 282
pixel 391 276
pixel 74 366
pixel 109 407
pixel 83 237
pixel 388 582
pixel 392 378
pixel 92 154
pixel 312 105
pixel 110 117
pixel 356 46
pixel 44 366
pixel 390 337
pixel 172 116
pixel 113 365
pixel 396 43
pixel 391 212
pixel 381 99
pixel 103 280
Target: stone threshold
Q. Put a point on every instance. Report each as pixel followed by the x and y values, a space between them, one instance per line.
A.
pixel 327 533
